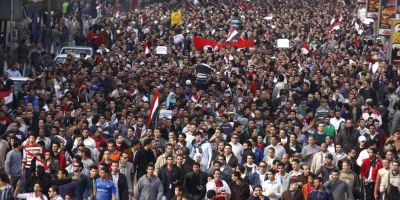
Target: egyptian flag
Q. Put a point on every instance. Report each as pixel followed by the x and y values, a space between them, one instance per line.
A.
pixel 233 33
pixel 195 98
pixel 304 47
pixel 332 21
pixel 335 26
pixel 154 106
pixel 8 97
pixel 240 5
pixel 146 48
pixel 340 17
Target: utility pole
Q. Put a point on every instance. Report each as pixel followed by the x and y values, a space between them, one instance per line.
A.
pixel 48 25
pixel 11 31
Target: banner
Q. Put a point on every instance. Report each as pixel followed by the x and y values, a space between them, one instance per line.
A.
pixel 395 40
pixel 204 43
pixel 176 18
pixel 372 8
pixel 397 9
pixel 387 12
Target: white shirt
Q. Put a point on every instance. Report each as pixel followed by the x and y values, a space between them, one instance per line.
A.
pixel 279 150
pixel 331 148
pixel 31 196
pixel 336 122
pixel 363 155
pixel 88 142
pixel 225 187
pixel 237 150
pixel 274 186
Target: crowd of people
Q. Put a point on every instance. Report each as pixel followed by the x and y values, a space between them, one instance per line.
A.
pixel 201 122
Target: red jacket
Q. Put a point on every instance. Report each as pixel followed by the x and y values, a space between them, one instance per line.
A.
pixel 365 167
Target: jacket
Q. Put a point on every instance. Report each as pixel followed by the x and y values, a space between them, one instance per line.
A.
pixel 176 176
pixel 325 194
pixel 147 189
pixel 252 197
pixel 122 186
pixel 365 168
pixel 348 141
pixel 395 122
pixel 23 51
pixel 189 187
pixel 241 191
pixel 233 161
pixel 255 178
pixel 339 189
pixel 297 195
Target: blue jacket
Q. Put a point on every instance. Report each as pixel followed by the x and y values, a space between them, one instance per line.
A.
pixel 255 178
pixel 324 194
pixel 252 197
pixel 35 101
pixel 259 155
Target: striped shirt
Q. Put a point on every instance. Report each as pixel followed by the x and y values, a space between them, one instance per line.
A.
pixel 7 192
pixel 32 150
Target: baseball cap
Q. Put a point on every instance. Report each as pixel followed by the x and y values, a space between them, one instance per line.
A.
pixel 362 138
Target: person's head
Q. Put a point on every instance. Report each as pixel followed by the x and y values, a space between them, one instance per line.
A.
pixel 335 174
pixel 311 141
pixel 148 143
pixel 227 149
pixel 328 159
pixel 222 159
pixel 395 166
pixel 53 191
pixel 4 178
pixel 257 190
pixel 318 182
pixel 271 174
pixel 62 174
pixel 310 179
pixel 306 169
pixel 236 176
pixel 295 164
pixel 271 152
pixel 69 197
pixel 37 187
pixel 293 184
pixel 217 174
pixel 196 167
pixel 170 160
pixel 372 153
pixel 262 167
pixel 169 149
pixel 114 167
pixel 103 172
pixel 78 167
pixel 93 170
pixel 211 194
pixel 150 170
pixel 178 191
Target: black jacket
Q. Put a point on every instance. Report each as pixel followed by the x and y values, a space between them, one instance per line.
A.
pixel 122 186
pixel 189 186
pixel 142 159
pixel 176 176
pixel 348 140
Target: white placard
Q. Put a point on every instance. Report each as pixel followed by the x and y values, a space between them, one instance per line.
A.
pixel 165 113
pixel 178 38
pixel 161 50
pixel 283 43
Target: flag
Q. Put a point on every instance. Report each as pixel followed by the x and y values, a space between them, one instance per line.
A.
pixel 136 91
pixel 356 26
pixel 304 47
pixel 195 98
pixel 240 5
pixel 8 97
pixel 335 26
pixel 226 58
pixel 204 43
pixel 232 34
pixel 176 18
pixel 340 17
pixel 143 18
pixel 146 48
pixel 154 106
pixel 332 21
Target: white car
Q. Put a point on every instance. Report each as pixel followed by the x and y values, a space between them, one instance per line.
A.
pixel 77 50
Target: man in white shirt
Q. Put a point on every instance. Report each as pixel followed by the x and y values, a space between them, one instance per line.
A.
pixel 336 120
pixel 237 148
pixel 35 195
pixel 219 186
pixel 272 188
